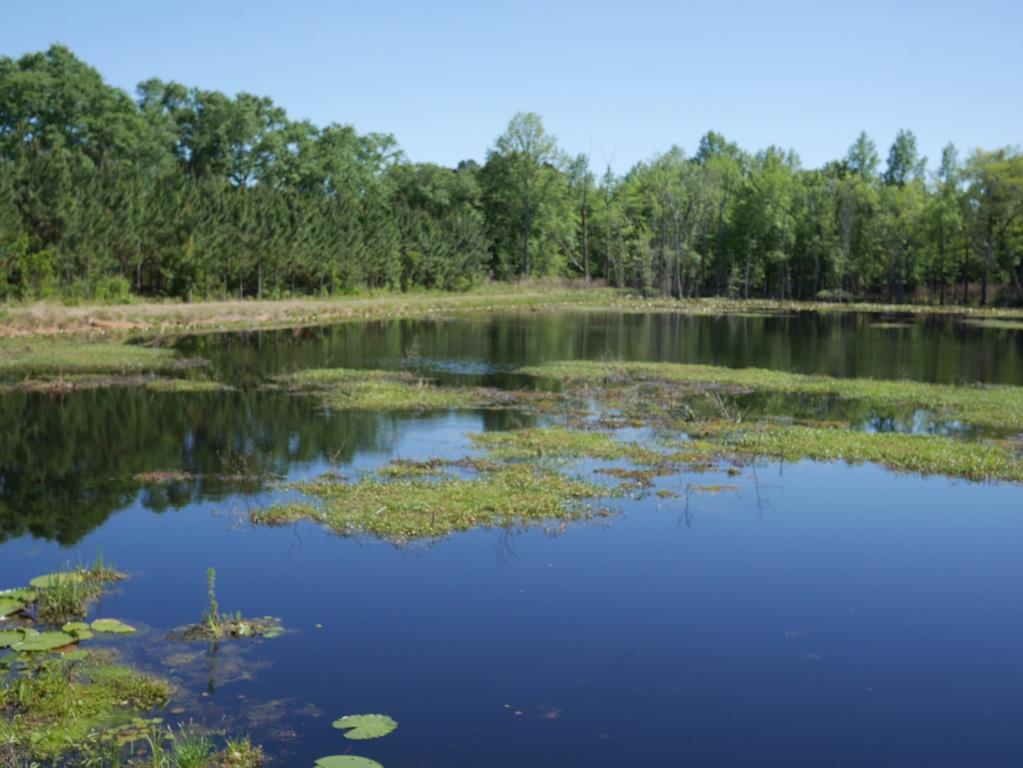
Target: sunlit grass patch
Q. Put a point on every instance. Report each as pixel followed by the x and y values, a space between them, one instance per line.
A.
pixel 55 357
pixel 923 454
pixel 66 705
pixel 374 390
pixel 405 510
pixel 557 442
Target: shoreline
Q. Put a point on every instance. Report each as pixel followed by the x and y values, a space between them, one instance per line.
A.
pixel 168 319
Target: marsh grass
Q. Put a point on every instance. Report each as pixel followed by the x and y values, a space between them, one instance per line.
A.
pixel 921 454
pixel 401 511
pixel 68 597
pixel 56 357
pixel 372 390
pixel 989 406
pixel 561 443
pixel 62 706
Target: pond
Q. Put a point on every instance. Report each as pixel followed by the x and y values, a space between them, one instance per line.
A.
pixel 769 612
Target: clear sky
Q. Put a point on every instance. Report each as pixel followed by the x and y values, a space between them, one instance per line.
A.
pixel 619 80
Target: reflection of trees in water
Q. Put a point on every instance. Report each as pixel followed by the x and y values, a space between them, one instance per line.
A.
pixel 932 348
pixel 67 463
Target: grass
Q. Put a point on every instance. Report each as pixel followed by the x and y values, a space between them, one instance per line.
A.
pixel 401 511
pixel 556 442
pixel 61 357
pixel 64 706
pixel 68 598
pixel 370 390
pixel 173 318
pixel 996 407
pixel 921 454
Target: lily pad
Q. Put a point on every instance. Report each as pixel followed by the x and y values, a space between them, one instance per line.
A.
pixel 112 625
pixel 8 606
pixel 79 629
pixel 347 761
pixel 49 580
pixel 23 595
pixel 365 726
pixel 44 641
pixel 9 637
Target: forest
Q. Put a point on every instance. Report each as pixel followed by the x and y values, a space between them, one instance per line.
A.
pixel 192 194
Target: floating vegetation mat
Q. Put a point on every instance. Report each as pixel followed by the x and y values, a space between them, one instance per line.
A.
pixel 997 407
pixel 404 510
pixel 995 323
pixel 371 390
pixel 693 419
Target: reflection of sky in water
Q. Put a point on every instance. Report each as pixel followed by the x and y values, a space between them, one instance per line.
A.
pixel 815 614
pixel 865 608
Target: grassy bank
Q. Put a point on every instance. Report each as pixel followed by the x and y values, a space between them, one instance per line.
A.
pixel 169 318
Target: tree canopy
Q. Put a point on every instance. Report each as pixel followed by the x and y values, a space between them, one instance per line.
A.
pixel 189 193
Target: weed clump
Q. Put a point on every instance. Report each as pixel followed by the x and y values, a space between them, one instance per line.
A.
pixel 401 511
pixel 216 625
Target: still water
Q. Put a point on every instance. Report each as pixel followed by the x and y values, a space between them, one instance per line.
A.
pixel 816 615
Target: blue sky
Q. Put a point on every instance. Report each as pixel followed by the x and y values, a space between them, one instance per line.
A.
pixel 619 80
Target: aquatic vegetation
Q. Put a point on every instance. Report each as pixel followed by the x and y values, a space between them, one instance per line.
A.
pixel 111 626
pixel 9 606
pixel 79 629
pixel 237 753
pixel 556 442
pixel 66 596
pixel 713 489
pixel 995 323
pixel 9 637
pixel 372 390
pixel 64 705
pixel 216 625
pixel 190 385
pixel 998 407
pixel 40 642
pixel 923 454
pixel 42 356
pixel 362 727
pixel 404 510
pixel 347 761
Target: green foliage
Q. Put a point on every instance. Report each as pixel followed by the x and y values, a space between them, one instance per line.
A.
pixel 347 761
pixel 111 626
pixel 372 390
pixel 62 705
pixel 39 642
pixel 190 193
pixel 50 357
pixel 406 510
pixel 361 727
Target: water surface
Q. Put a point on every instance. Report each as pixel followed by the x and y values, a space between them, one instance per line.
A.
pixel 814 615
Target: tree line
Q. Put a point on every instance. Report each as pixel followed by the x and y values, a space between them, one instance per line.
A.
pixel 188 193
